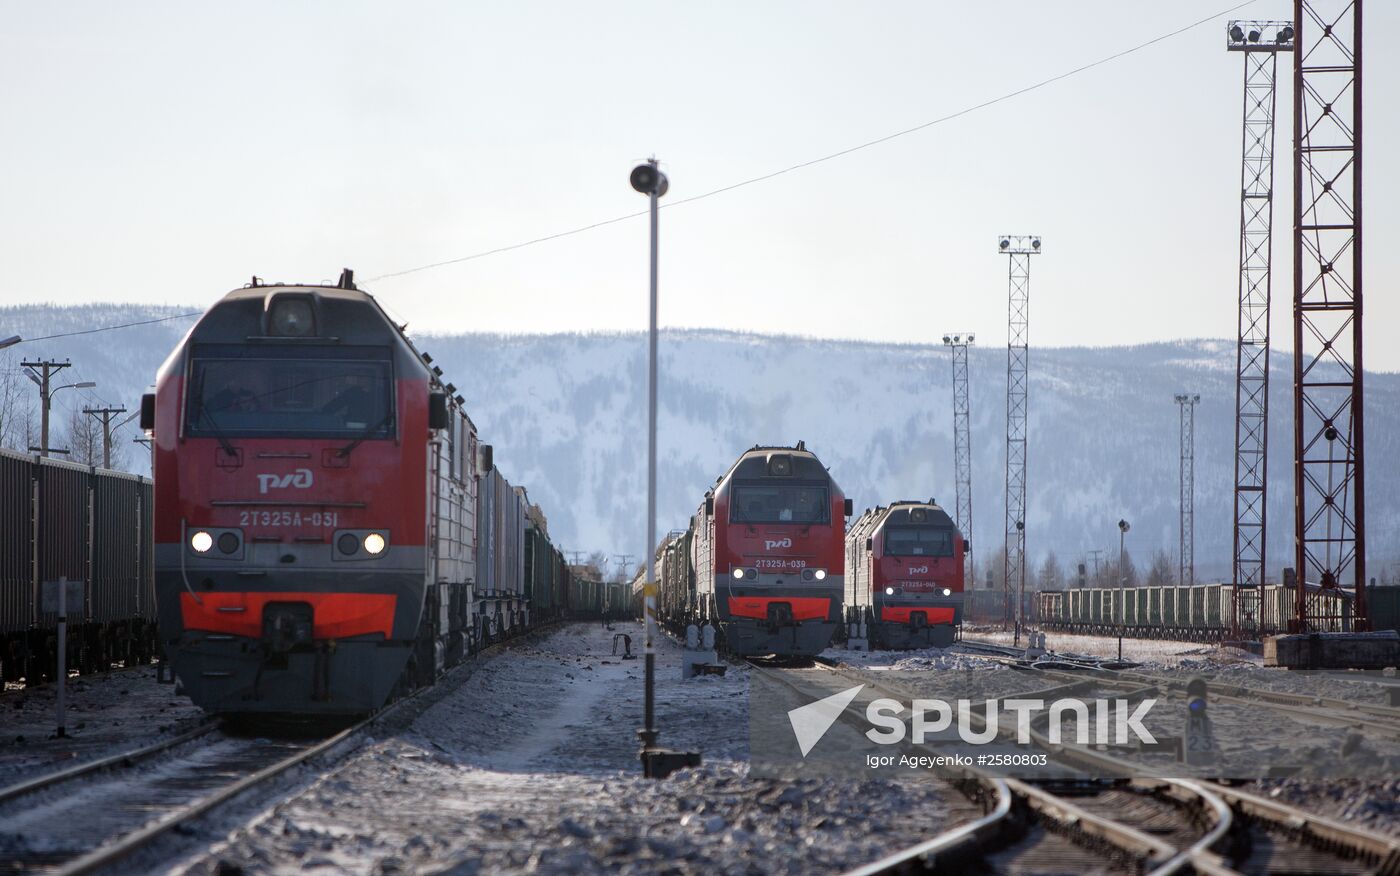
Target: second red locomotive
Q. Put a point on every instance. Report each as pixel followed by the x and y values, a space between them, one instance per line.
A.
pixel 762 559
pixel 906 576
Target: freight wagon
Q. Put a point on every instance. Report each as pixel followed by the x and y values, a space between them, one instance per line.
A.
pixel 1194 612
pixel 60 519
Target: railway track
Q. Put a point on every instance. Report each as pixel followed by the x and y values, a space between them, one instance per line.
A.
pixel 107 810
pixel 1382 719
pixel 1151 824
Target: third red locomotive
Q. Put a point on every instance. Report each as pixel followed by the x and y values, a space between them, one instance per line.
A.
pixel 906 576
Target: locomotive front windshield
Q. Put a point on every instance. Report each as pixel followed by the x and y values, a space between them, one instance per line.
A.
pixel 912 541
pixel 285 396
pixel 768 502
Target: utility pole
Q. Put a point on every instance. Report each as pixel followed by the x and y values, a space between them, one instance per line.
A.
pixel 573 557
pixel 1328 398
pixel 1188 404
pixel 1094 555
pixel 1260 42
pixel 962 444
pixel 1018 249
pixel 624 562
pixel 41 372
pixel 105 415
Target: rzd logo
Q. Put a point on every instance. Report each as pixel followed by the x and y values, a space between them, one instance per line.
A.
pixel 299 479
pixel 780 543
pixel 918 570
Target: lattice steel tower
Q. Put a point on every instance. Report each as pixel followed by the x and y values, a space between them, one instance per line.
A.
pixel 1188 404
pixel 1329 471
pixel 1260 42
pixel 1019 249
pixel 962 446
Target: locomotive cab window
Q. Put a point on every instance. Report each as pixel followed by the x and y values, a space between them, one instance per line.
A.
pixel 911 541
pixel 302 395
pixel 765 502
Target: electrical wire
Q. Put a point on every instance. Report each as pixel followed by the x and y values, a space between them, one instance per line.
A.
pixel 108 328
pixel 829 157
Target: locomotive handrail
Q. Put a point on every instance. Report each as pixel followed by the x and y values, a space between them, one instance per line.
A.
pixel 286 504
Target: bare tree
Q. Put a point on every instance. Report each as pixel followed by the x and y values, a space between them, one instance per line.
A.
pixel 1162 571
pixel 84 435
pixel 16 405
pixel 1051 577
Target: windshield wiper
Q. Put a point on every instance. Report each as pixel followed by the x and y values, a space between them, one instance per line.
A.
pixel 205 415
pixel 349 448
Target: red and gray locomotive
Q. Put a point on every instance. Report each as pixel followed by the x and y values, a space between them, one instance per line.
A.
pixel 765 556
pixel 905 565
pixel 328 532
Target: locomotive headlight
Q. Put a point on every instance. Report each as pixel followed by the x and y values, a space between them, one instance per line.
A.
pixel 374 543
pixel 738 574
pixel 228 542
pixel 201 541
pixel 348 543
pixel 889 591
pixel 820 574
pixel 947 592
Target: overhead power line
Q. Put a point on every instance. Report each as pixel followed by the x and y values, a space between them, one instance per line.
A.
pixel 829 157
pixel 108 328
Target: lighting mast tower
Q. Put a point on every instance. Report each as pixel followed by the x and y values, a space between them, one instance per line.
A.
pixel 1260 42
pixel 1329 472
pixel 962 446
pixel 1018 249
pixel 1187 574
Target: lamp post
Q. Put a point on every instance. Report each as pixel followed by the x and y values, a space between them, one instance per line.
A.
pixel 648 180
pixel 1123 527
pixel 10 341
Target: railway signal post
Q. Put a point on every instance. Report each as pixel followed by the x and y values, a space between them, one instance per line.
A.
pixel 657 763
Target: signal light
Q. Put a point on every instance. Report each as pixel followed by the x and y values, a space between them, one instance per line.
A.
pixel 1254 36
pixel 1005 243
pixel 202 541
pixel 1236 34
pixel 1285 35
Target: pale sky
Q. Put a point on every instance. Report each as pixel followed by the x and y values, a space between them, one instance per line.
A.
pixel 166 152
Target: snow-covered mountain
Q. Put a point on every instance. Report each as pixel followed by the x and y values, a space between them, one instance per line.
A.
pixel 567 417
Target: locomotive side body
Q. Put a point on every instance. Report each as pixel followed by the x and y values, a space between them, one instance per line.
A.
pixel 766 551
pixel 906 575
pixel 313 543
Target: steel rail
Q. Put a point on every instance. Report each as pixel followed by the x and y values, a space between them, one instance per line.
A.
pixel 125 758
pixel 125 845
pixel 1053 810
pixel 1304 828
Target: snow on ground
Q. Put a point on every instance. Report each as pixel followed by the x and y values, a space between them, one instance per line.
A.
pixel 940 659
pixel 1151 653
pixel 532 765
pixel 106 714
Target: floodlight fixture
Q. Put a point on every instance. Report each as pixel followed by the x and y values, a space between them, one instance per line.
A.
pixel 1260 36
